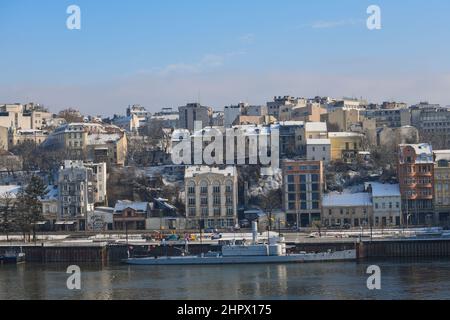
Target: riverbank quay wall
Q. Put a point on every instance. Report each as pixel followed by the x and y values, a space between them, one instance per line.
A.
pixel 403 248
pixel 113 253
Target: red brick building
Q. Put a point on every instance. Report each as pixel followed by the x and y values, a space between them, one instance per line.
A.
pixel 416 178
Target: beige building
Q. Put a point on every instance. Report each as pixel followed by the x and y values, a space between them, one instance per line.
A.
pixel 345 145
pixel 193 112
pixel 347 209
pixel 211 196
pixel 90 141
pixel 442 186
pixel 16 137
pixel 343 118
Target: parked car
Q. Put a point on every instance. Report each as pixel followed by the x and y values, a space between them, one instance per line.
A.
pixel 211 230
pixel 216 236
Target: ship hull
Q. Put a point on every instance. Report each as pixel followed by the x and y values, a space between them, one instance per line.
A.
pixel 348 255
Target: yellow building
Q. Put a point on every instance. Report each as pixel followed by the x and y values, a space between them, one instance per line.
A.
pixel 345 145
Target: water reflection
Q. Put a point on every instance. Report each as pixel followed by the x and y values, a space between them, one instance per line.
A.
pixel 400 280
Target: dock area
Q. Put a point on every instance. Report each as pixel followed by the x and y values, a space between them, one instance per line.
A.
pixel 109 252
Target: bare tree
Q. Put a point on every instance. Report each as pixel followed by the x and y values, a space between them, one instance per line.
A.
pixel 269 201
pixel 70 115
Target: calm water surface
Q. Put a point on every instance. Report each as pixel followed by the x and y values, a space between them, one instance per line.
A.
pixel 344 280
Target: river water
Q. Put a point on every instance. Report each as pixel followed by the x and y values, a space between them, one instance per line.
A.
pixel 423 279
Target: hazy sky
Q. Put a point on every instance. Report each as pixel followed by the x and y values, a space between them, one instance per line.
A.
pixel 167 53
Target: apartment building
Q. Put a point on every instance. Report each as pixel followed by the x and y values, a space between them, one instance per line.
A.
pixel 386 202
pixel 318 149
pixel 303 184
pixel 90 141
pixel 194 112
pixel 416 178
pixel 211 196
pixel 442 186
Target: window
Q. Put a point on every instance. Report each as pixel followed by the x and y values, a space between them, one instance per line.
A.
pixel 290 179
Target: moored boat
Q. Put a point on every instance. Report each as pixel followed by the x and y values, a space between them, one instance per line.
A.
pixel 255 253
pixel 12 257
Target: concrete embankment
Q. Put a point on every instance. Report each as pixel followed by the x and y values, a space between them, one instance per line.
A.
pixel 112 253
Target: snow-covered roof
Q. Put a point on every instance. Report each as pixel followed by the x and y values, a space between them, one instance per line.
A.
pixel 195 170
pixel 344 134
pixel 316 126
pixel 291 123
pixel 102 138
pixel 12 190
pixel 442 155
pixel 124 204
pixel 318 141
pixel 423 151
pixel 337 199
pixel 384 189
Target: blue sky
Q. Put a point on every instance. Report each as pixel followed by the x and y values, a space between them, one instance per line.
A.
pixel 167 53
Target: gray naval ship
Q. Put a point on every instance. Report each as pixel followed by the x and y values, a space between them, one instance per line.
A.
pixel 274 251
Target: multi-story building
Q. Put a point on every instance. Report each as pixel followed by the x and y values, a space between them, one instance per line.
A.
pixel 231 113
pixel 211 196
pixel 343 118
pixel 392 118
pixel 347 209
pixel 99 181
pixel 194 112
pixel 433 123
pixel 291 138
pixel 442 186
pixel 275 108
pixel 318 149
pixel 76 193
pixel 302 191
pixel 345 145
pixel 416 178
pixel 18 116
pixel 90 141
pixel 16 137
pixel 386 201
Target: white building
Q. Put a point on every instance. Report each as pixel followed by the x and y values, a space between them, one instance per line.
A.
pixel 318 149
pixel 211 196
pixel 386 202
